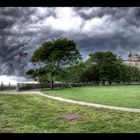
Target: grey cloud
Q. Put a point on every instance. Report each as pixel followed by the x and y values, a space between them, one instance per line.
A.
pixel 16 35
pixel 124 33
pixel 11 44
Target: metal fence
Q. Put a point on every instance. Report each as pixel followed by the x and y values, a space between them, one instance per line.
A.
pixel 30 86
pixel 5 87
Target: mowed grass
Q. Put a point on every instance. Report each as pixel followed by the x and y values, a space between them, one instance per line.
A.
pixel 37 114
pixel 125 96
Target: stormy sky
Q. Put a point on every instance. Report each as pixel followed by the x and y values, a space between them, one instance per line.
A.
pixel 24 29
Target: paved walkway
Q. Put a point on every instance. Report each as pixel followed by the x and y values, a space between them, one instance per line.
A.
pixel 73 101
pixel 20 92
pixel 91 104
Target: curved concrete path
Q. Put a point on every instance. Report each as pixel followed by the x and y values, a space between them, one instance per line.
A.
pixel 38 92
pixel 20 92
pixel 91 104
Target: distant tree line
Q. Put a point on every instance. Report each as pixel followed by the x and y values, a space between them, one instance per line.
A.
pixel 62 62
pixel 101 68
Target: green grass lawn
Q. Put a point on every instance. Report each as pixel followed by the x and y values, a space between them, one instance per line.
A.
pixel 37 114
pixel 125 96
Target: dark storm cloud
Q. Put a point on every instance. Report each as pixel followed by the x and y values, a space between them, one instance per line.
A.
pixel 124 30
pixel 93 29
pixel 89 13
pixel 16 37
pixel 11 42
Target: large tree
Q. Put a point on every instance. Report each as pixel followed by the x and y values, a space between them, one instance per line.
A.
pixel 55 55
pixel 107 65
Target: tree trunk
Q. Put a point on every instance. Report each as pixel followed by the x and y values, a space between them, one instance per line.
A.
pixel 110 83
pixel 103 82
pixel 52 84
pixel 97 83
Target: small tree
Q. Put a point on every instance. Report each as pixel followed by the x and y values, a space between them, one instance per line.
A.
pixel 91 74
pixel 74 73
